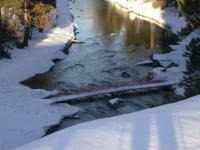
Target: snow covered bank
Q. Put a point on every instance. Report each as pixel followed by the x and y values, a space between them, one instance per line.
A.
pixel 173 63
pixel 23 114
pixel 175 57
pixel 170 127
pixel 168 17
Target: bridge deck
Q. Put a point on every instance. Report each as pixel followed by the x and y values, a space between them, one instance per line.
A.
pixel 82 96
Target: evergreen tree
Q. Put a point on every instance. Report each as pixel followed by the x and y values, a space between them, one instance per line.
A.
pixel 40 17
pixel 191 79
pixel 35 15
pixel 26 13
pixel 6 37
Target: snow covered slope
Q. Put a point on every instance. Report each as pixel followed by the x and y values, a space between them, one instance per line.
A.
pixel 170 127
pixel 167 17
pixel 23 114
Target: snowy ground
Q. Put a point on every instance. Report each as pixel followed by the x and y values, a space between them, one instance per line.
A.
pixel 170 127
pixel 167 17
pixel 23 114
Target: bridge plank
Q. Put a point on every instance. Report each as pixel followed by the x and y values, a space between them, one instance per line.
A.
pixel 79 96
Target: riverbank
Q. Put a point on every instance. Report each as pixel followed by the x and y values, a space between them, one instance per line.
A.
pixel 23 114
pixel 172 64
pixel 167 17
pixel 176 57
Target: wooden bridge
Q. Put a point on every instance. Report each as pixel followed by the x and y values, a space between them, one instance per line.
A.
pixel 121 87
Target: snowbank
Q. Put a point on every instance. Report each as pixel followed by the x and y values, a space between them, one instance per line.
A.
pixel 23 114
pixel 168 17
pixel 175 57
pixel 170 127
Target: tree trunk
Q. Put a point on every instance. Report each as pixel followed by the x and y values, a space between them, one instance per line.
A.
pixel 26 24
pixel 26 35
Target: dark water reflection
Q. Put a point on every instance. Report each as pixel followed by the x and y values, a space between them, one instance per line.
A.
pixel 114 43
pixel 111 19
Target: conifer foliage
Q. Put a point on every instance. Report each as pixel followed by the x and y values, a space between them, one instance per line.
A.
pixel 7 34
pixel 18 18
pixel 191 79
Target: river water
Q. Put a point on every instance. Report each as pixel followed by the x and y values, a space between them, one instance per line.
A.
pixel 114 42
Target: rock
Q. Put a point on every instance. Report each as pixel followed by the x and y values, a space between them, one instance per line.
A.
pixel 125 75
pixel 116 102
pixel 154 73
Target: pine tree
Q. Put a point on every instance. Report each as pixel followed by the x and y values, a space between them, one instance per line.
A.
pixel 40 17
pixel 191 79
pixel 35 15
pixel 6 37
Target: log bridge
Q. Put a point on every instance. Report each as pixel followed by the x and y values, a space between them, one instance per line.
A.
pixel 114 88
